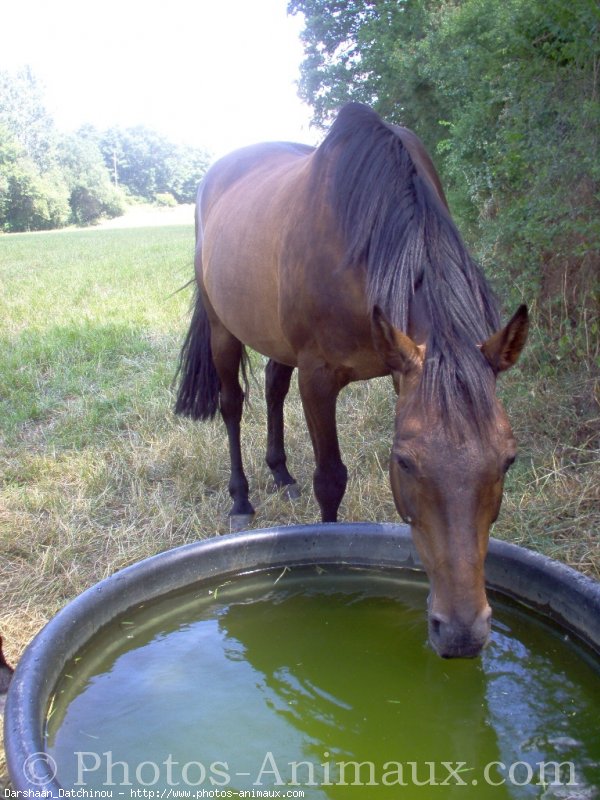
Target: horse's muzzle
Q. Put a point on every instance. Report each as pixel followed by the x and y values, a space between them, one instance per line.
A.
pixel 452 638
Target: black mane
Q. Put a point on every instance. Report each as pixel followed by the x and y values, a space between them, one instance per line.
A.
pixel 394 224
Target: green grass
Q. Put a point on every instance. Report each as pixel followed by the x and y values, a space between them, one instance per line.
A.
pixel 96 472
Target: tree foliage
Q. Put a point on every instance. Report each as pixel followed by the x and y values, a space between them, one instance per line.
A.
pixel 33 194
pixel 49 179
pixel 24 117
pixel 367 50
pixel 91 193
pixel 506 95
pixel 148 164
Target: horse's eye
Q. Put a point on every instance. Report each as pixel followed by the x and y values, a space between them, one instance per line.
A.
pixel 508 464
pixel 405 464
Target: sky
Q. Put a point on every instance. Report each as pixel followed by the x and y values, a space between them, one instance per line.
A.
pixel 217 74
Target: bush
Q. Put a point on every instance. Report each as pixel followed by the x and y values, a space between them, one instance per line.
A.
pixel 93 196
pixel 33 202
pixel 165 199
pixel 512 119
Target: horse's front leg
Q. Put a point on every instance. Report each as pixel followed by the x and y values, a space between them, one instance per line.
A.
pixel 319 389
pixel 277 384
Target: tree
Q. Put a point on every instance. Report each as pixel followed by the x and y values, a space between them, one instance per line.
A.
pixel 148 164
pixel 92 195
pixel 28 199
pixel 523 140
pixel 33 195
pixel 24 116
pixel 368 51
pixel 186 167
pixel 507 98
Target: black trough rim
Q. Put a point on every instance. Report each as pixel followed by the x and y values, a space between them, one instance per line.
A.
pixel 555 590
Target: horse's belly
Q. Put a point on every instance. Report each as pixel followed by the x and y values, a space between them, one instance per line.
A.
pixel 245 298
pixel 276 349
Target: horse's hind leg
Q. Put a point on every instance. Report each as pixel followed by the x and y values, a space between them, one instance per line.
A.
pixel 277 384
pixel 227 355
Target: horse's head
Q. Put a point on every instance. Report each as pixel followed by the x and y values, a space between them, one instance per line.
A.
pixel 448 487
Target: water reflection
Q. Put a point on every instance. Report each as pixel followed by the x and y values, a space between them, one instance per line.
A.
pixel 541 706
pixel 271 676
pixel 360 685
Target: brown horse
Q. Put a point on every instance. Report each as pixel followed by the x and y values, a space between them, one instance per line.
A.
pixel 6 673
pixel 343 261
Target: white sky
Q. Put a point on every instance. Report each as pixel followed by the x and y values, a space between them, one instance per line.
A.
pixel 214 73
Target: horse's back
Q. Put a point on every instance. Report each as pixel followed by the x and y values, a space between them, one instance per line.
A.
pixel 272 258
pixel 245 208
pixel 235 166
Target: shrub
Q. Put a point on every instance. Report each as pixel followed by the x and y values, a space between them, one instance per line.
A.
pixel 165 199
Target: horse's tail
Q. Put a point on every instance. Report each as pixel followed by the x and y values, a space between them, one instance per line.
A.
pixel 199 384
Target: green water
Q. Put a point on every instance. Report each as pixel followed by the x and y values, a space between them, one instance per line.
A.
pixel 322 682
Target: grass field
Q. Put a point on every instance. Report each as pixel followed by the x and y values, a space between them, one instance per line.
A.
pixel 96 472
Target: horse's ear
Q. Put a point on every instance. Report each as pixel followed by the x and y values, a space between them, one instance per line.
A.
pixel 399 352
pixel 504 348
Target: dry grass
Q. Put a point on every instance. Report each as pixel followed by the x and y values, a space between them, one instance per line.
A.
pixel 552 500
pixel 96 472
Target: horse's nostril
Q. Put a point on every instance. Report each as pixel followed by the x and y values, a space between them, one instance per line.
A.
pixel 453 638
pixel 436 626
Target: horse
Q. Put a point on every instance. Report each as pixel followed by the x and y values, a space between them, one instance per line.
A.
pixel 343 261
pixel 6 673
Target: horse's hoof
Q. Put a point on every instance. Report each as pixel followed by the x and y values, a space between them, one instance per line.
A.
pixel 292 491
pixel 239 522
